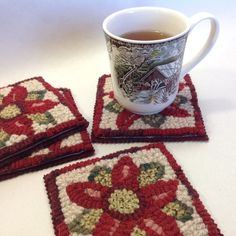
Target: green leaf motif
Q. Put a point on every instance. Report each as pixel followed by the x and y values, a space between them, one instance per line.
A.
pixel 85 222
pixel 150 173
pixel 114 106
pixel 43 118
pixel 180 99
pixel 179 210
pixel 154 120
pixel 101 175
pixel 36 95
pixel 4 137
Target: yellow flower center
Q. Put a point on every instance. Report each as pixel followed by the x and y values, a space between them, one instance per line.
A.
pixel 10 111
pixel 124 201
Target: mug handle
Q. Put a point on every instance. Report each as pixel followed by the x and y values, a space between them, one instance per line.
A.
pixel 214 30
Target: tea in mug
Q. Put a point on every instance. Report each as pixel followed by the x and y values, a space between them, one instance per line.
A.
pixel 145 35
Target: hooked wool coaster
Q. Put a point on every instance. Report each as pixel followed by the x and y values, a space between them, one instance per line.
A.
pixel 140 191
pixel 181 121
pixel 73 147
pixel 33 113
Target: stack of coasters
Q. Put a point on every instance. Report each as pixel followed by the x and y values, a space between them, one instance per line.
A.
pixel 40 126
pixel 181 121
pixel 140 191
pixel 73 147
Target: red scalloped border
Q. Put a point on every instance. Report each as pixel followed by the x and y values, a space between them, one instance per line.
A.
pixel 60 228
pixel 197 133
pixel 11 152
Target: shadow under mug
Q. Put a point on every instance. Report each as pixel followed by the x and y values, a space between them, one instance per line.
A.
pixel 146 73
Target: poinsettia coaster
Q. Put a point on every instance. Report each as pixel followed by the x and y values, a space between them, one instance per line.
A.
pixel 181 121
pixel 141 191
pixel 33 113
pixel 73 147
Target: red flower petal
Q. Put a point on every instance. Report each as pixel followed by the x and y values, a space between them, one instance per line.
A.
pixel 125 119
pixel 19 125
pixel 174 110
pixel 125 174
pixel 111 94
pixel 161 193
pixel 156 223
pixel 38 106
pixel 87 194
pixel 181 86
pixel 109 226
pixel 17 94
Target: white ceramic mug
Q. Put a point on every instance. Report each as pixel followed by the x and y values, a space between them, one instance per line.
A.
pixel 145 74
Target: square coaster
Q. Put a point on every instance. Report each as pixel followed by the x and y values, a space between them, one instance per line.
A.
pixel 73 147
pixel 181 121
pixel 140 191
pixel 33 113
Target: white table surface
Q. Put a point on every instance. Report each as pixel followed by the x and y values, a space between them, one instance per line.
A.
pixel 63 42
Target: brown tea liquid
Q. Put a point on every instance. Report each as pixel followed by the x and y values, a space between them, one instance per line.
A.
pixel 145 35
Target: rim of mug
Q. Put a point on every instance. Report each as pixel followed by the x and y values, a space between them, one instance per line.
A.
pixel 109 17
